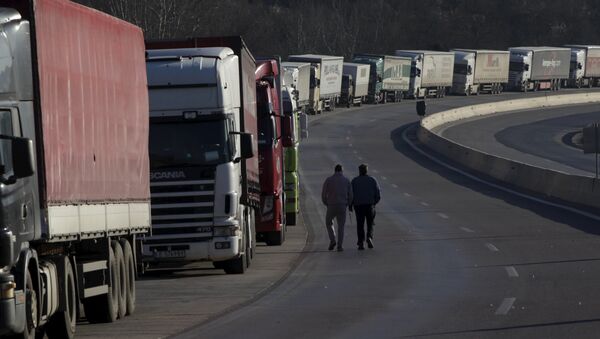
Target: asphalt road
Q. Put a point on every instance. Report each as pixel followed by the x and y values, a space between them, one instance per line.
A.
pixel 454 258
pixel 534 137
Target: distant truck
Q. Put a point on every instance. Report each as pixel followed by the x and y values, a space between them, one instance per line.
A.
pixel 329 69
pixel 480 71
pixel 431 72
pixel 585 66
pixel 297 77
pixel 203 152
pixel 538 68
pixel 389 76
pixel 272 138
pixel 355 84
pixel 74 166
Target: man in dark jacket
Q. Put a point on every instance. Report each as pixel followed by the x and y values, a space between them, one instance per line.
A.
pixel 366 195
pixel 337 196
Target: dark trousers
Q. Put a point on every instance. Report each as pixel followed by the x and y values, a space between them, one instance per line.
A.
pixel 364 212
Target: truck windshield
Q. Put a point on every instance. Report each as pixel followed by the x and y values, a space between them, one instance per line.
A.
pixel 181 144
pixel 516 66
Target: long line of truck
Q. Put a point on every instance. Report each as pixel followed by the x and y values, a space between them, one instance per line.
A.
pixel 118 154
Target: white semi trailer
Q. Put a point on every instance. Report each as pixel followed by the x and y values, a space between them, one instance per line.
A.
pixel 431 72
pixel 538 68
pixel 585 66
pixel 480 71
pixel 355 84
pixel 330 76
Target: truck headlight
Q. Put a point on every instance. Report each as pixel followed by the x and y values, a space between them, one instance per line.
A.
pixel 226 231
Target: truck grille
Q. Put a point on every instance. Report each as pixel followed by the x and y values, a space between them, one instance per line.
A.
pixel 182 210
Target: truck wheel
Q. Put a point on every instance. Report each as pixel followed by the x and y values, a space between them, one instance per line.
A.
pixel 105 308
pixel 235 266
pixel 62 323
pixel 291 218
pixel 274 238
pixel 130 271
pixel 31 311
pixel 122 293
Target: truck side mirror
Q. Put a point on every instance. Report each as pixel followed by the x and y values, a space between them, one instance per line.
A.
pixel 421 108
pixel 526 67
pixel 246 145
pixel 22 157
pixel 579 65
pixel 288 131
pixel 469 70
pixel 304 125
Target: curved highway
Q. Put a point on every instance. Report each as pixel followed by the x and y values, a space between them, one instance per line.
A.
pixel 535 137
pixel 453 257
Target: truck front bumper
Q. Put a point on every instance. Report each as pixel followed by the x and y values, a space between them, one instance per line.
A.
pixel 9 308
pixel 215 249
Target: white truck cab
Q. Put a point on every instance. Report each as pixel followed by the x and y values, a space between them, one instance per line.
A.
pixel 462 81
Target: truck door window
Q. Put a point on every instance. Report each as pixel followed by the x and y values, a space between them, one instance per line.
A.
pixel 6 128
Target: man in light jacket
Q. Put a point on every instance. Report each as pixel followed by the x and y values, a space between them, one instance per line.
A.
pixel 366 196
pixel 337 196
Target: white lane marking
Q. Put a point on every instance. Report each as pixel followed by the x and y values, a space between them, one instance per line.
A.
pixel 505 306
pixel 384 178
pixel 349 145
pixel 424 203
pixel 512 271
pixel 375 171
pixel 347 138
pixel 443 216
pixel 359 158
pixel 472 177
pixel 406 194
pixel 468 230
pixel 394 186
pixel 355 152
pixel 491 247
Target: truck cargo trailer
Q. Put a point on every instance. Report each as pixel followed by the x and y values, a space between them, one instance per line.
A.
pixel 297 76
pixel 538 68
pixel 355 84
pixel 431 72
pixel 329 69
pixel 74 166
pixel 480 71
pixel 389 76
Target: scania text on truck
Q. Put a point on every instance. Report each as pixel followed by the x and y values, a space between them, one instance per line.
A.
pixel 272 138
pixel 585 66
pixel 297 78
pixel 204 178
pixel 330 76
pixel 536 68
pixel 355 84
pixel 389 76
pixel 480 71
pixel 74 187
pixel 431 72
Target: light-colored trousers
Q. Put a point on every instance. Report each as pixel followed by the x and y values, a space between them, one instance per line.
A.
pixel 337 212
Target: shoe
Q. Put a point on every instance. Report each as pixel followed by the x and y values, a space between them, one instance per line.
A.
pixel 361 247
pixel 340 249
pixel 370 242
pixel 332 245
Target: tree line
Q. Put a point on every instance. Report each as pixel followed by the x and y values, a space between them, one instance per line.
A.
pixel 344 27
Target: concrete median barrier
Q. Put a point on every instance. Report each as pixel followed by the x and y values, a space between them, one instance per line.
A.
pixel 575 189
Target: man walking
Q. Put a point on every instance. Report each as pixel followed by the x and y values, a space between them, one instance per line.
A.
pixel 366 196
pixel 337 196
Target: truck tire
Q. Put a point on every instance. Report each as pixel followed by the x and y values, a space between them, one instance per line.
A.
pixel 62 323
pixel 291 218
pixel 122 294
pixel 130 270
pixel 275 238
pixel 236 265
pixel 105 308
pixel 31 312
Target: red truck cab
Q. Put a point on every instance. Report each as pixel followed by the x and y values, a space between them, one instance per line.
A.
pixel 273 136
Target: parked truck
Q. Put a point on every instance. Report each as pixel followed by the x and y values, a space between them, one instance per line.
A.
pixel 480 71
pixel 204 177
pixel 537 68
pixel 355 84
pixel 585 66
pixel 297 78
pixel 328 76
pixel 431 72
pixel 389 76
pixel 74 166
pixel 272 138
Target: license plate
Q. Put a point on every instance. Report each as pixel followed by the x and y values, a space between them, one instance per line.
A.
pixel 170 254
